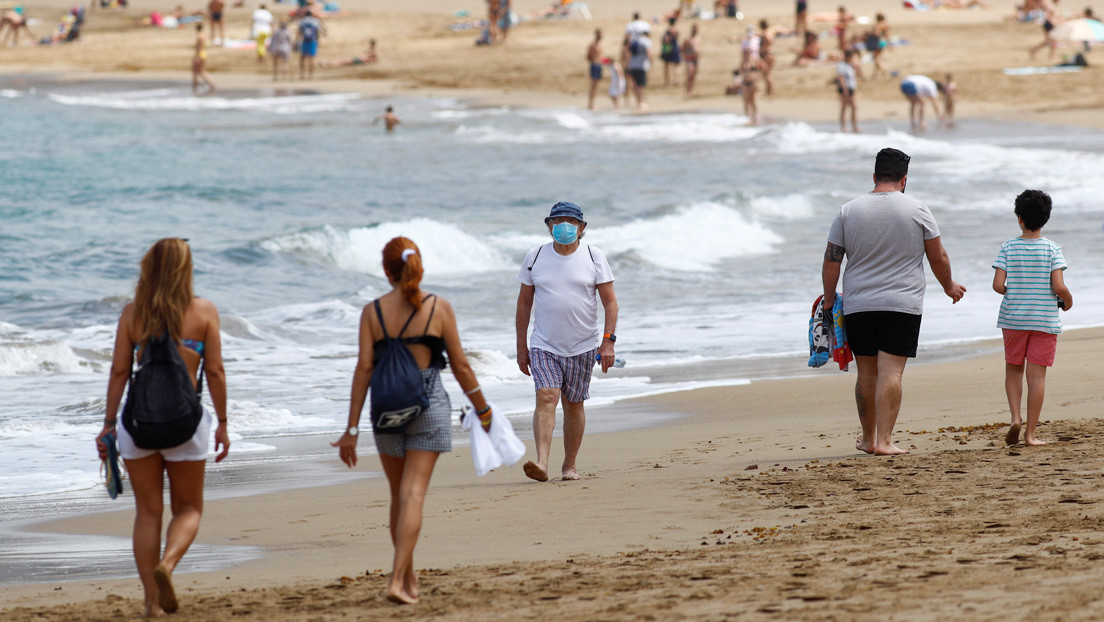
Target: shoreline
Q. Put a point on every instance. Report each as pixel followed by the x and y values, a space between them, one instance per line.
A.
pixel 720 432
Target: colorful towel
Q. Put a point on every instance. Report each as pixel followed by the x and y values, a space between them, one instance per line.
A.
pixel 828 343
pixel 841 351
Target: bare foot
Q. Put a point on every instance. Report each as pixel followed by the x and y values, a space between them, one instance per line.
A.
pixel 400 597
pixel 570 474
pixel 1031 441
pixel 166 596
pixel 864 447
pixel 153 611
pixel 891 450
pixel 532 471
pixel 1013 435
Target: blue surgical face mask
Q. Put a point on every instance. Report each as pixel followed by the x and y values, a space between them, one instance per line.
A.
pixel 565 233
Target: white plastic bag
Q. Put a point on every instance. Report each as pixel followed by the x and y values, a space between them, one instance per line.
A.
pixel 508 445
pixel 485 457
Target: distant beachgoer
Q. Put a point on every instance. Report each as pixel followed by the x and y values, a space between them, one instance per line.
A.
pixel 810 52
pixel 1029 276
pixel 617 82
pixel 1049 21
pixel 691 55
pixel 670 53
pixel 847 82
pixel 801 12
pixel 310 31
pixel 728 8
pixel 878 42
pixel 885 236
pixel 492 21
pixel 199 63
pixel 843 21
pixel 637 27
pixel 369 56
pixel 594 59
pixel 749 49
pixel 505 20
pixel 639 64
pixel 279 47
pixel 561 283
pixel 164 304
pixel 920 90
pixel 11 23
pixel 948 89
pixel 749 81
pixel 260 29
pixel 408 457
pixel 215 9
pixel 766 55
pixel 390 121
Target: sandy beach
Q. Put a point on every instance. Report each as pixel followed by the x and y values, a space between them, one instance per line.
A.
pixel 753 503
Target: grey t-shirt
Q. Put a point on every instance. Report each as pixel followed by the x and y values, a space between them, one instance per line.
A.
pixel 883 234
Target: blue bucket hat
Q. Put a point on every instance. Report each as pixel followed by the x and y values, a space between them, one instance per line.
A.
pixel 566 208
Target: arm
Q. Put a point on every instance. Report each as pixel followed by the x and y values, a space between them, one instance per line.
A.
pixel 362 377
pixel 609 303
pixel 121 363
pixel 830 273
pixel 216 378
pixel 1058 284
pixel 999 281
pixel 521 322
pixel 941 267
pixel 458 362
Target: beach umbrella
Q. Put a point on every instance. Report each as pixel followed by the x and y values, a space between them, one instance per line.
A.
pixel 1081 29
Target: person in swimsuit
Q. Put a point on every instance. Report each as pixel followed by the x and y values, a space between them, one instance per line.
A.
pixel 1048 25
pixel 843 20
pixel 389 118
pixel 749 81
pixel 766 56
pixel 199 63
pixel 214 13
pixel 408 458
pixel 801 12
pixel 164 303
pixel 669 52
pixel 691 52
pixel 878 42
pixel 846 81
pixel 594 58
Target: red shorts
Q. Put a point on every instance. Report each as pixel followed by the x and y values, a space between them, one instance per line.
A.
pixel 1035 346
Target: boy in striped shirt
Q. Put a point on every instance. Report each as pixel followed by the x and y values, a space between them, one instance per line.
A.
pixel 1029 275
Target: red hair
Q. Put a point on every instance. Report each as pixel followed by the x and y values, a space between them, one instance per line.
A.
pixel 407 273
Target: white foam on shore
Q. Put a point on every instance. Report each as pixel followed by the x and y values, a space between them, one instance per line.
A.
pixel 182 99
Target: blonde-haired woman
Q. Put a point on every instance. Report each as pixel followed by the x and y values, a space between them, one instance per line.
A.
pixel 408 458
pixel 164 303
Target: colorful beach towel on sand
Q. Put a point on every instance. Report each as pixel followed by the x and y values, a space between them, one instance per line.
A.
pixel 828 337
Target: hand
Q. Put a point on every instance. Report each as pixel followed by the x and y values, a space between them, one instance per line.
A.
pixel 101 445
pixel 346 449
pixel 222 439
pixel 956 291
pixel 606 352
pixel 523 360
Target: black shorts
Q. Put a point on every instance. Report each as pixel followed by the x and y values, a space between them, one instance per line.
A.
pixel 892 332
pixel 640 77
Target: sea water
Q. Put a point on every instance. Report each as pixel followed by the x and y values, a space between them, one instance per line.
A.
pixel 715 232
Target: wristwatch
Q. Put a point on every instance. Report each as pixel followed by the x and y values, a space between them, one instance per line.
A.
pixel 612 337
pixel 353 431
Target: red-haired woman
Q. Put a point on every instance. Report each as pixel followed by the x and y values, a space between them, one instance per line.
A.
pixel 164 303
pixel 408 458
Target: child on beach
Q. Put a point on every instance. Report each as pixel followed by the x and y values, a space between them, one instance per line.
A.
pixel 948 89
pixel 1029 275
pixel 617 82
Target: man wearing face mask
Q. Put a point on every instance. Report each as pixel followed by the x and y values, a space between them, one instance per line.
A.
pixel 562 282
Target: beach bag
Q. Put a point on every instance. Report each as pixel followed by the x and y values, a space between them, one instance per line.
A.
pixel 398 393
pixel 163 408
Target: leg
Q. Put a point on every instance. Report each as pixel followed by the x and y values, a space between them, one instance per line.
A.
pixel 544 425
pixel 1036 385
pixel 865 388
pixel 574 424
pixel 887 402
pixel 1013 387
pixel 854 116
pixel 186 500
pixel 147 480
pixel 409 479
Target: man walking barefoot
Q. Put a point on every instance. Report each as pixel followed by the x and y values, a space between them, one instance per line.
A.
pixel 885 236
pixel 559 281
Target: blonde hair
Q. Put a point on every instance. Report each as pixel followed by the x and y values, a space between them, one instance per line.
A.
pixel 164 289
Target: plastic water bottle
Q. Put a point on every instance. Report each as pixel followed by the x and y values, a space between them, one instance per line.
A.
pixel 618 363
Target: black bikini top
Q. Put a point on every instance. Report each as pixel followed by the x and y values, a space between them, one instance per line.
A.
pixel 435 343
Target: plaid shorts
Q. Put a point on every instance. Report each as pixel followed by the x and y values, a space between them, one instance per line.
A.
pixel 569 374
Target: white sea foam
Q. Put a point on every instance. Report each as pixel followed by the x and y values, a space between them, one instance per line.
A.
pixel 558 127
pixel 40 357
pixel 181 99
pixel 260 420
pixel 784 207
pixel 11 94
pixel 446 250
pixel 693 238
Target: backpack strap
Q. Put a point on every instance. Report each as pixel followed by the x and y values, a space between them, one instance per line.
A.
pixel 431 310
pixel 535 257
pixel 591 251
pixel 379 314
pixel 415 312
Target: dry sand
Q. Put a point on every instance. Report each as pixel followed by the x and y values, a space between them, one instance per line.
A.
pixel 673 522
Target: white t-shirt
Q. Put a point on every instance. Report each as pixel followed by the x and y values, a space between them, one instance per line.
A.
pixel 637 28
pixel 925 86
pixel 750 46
pixel 262 22
pixel 565 298
pixel 846 70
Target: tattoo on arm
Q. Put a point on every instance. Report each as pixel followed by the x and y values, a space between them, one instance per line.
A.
pixel 833 253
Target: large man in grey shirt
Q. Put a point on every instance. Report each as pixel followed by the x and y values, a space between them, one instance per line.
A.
pixel 885 236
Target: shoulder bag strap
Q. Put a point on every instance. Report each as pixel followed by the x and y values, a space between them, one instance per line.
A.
pixel 431 311
pixel 535 257
pixel 411 318
pixel 379 314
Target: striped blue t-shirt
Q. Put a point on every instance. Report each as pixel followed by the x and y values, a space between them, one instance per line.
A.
pixel 1029 302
